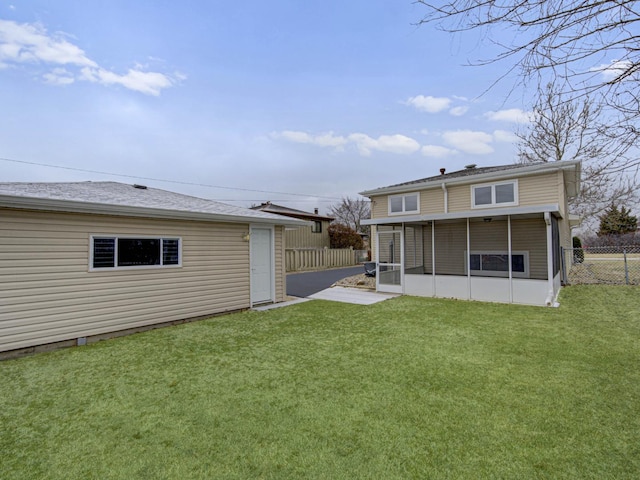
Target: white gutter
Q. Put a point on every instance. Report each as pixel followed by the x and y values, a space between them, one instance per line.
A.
pixel 446 197
pixel 53 205
pixel 479 213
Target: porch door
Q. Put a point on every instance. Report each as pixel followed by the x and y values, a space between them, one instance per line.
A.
pixel 262 271
pixel 390 260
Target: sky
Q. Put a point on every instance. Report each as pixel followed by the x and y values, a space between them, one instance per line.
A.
pixel 296 102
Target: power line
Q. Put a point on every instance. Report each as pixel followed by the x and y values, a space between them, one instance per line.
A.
pixel 166 181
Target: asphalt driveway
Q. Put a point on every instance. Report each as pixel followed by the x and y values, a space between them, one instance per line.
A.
pixel 307 283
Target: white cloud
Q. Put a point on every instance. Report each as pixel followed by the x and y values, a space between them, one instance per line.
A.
pixel 458 111
pixel 429 104
pixel 469 141
pixel 323 140
pixel 32 44
pixel 505 136
pixel 150 83
pixel 437 151
pixel 365 144
pixel 400 144
pixel 514 115
pixel 612 70
pixel 59 76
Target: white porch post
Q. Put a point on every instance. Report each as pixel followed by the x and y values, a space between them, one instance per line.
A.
pixel 468 261
pixel 551 295
pixel 433 255
pixel 510 260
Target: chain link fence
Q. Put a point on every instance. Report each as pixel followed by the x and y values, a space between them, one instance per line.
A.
pixel 610 265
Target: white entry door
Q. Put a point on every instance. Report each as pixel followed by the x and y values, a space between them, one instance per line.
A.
pixel 262 269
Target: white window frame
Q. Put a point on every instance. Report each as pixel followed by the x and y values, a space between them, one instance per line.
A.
pixel 133 267
pixel 493 186
pixel 404 208
pixel 493 273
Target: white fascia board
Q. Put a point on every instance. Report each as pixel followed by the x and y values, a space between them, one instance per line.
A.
pixel 44 204
pixel 493 212
pixel 525 170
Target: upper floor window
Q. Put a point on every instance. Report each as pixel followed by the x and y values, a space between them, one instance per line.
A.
pixel 317 226
pixel 494 194
pixel 408 203
pixel 118 252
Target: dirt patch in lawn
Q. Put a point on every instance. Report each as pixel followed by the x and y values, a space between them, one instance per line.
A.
pixel 357 281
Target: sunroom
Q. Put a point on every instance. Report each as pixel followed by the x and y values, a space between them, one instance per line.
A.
pixel 510 256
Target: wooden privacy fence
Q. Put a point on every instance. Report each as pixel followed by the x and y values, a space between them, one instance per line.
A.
pixel 317 258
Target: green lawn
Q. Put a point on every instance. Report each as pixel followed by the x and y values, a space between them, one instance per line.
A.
pixel 408 388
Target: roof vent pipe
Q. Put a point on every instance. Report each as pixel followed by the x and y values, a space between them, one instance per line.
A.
pixel 315 210
pixel 442 170
pixel 471 166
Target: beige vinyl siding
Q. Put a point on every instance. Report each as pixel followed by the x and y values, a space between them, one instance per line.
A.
pixel 540 189
pixel 379 206
pixel 304 237
pixel 48 294
pixel 432 201
pixel 459 198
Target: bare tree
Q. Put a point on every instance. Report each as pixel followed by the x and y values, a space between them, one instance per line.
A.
pixel 591 48
pixel 569 130
pixel 351 211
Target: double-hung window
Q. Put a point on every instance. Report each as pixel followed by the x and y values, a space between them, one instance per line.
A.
pixel 407 203
pixel 494 194
pixel 109 252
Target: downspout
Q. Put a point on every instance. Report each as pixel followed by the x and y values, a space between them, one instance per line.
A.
pixel 446 197
pixel 550 300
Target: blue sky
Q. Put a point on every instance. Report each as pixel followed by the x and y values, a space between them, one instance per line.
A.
pixel 300 103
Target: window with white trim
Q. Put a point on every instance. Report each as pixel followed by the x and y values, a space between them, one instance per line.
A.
pixel 494 194
pixel 407 203
pixel 496 263
pixel 108 252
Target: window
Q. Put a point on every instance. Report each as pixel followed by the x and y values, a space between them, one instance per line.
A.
pixel 134 252
pixel 316 227
pixel 495 195
pixel 409 203
pixel 496 264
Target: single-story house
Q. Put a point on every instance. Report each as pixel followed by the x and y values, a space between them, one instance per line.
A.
pixel 315 235
pixel 481 233
pixel 83 260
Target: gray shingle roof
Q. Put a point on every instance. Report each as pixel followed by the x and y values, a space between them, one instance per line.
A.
pixel 467 172
pixel 290 212
pixel 124 195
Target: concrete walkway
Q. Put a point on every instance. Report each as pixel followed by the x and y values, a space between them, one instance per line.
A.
pixel 357 296
pixel 352 295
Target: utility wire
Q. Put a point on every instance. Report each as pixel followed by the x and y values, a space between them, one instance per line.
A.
pixel 162 180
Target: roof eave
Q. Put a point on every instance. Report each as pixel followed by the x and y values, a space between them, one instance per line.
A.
pixel 515 172
pixel 69 206
pixel 481 213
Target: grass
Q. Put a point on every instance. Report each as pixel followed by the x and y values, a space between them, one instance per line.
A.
pixel 409 388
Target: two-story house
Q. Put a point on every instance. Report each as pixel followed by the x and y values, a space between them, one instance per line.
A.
pixel 482 233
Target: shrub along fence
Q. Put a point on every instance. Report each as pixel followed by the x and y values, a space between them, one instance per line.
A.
pixel 611 265
pixel 297 259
